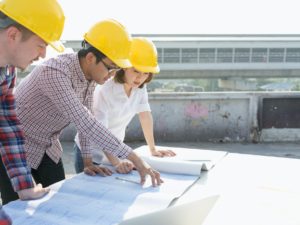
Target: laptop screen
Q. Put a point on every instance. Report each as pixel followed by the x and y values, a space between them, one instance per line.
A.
pixel 192 213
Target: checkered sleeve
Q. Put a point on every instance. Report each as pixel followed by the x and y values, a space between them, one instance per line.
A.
pixel 12 139
pixel 58 87
pixel 85 145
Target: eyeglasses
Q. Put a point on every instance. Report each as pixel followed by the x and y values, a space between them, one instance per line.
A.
pixel 109 67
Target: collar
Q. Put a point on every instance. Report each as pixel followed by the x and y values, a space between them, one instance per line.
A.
pixel 77 68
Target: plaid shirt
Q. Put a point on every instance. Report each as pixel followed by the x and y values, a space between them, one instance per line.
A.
pixel 54 95
pixel 11 136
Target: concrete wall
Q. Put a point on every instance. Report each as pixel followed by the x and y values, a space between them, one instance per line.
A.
pixel 198 117
pixel 207 116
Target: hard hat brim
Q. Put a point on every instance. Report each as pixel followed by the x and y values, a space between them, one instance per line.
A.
pixel 147 69
pixel 122 63
pixel 57 45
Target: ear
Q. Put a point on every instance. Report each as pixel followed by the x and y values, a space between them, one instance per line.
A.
pixel 13 34
pixel 90 58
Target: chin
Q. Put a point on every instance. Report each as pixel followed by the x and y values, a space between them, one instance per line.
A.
pixel 101 82
pixel 23 67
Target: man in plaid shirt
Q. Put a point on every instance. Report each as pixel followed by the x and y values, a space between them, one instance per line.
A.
pixel 23 39
pixel 60 91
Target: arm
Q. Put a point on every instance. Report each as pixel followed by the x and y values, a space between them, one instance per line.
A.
pixel 89 167
pixel 11 147
pixel 101 110
pixel 146 121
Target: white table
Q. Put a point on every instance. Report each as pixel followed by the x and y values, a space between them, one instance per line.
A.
pixel 254 190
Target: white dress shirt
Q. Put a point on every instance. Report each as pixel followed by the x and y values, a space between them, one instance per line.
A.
pixel 114 109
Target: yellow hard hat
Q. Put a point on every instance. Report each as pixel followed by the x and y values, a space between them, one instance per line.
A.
pixel 143 55
pixel 112 39
pixel 45 18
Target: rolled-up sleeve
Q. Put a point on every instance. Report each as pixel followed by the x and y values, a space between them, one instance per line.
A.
pixel 144 104
pixel 12 140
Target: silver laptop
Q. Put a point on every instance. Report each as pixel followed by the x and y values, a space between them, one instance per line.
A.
pixel 193 213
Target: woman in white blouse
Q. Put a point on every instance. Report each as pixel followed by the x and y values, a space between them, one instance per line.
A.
pixel 119 99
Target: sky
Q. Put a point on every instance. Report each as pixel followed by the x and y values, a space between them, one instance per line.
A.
pixel 184 16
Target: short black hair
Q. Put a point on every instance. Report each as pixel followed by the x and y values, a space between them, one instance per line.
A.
pixel 120 78
pixel 86 48
pixel 6 21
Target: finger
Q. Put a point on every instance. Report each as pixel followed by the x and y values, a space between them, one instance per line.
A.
pixel 42 192
pixel 88 171
pixel 172 153
pixel 129 167
pixel 126 168
pixel 39 188
pixel 164 154
pixel 143 179
pixel 168 153
pixel 158 154
pixel 153 177
pixel 47 189
pixel 100 171
pixel 156 176
pixel 106 171
pixel 121 170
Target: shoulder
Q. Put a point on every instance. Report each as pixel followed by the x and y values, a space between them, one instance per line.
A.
pixel 142 90
pixel 108 90
pixel 63 62
pixel 108 86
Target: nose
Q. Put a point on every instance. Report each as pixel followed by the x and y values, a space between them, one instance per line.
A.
pixel 140 76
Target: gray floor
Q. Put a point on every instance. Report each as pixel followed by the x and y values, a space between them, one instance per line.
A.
pixel 288 150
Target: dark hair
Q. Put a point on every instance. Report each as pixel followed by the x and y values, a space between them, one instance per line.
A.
pixel 120 78
pixel 86 48
pixel 6 22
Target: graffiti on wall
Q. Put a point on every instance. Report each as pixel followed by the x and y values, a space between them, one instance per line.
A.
pixel 196 110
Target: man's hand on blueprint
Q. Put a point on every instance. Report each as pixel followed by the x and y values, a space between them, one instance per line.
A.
pixel 144 169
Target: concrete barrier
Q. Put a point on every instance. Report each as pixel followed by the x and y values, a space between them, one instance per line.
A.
pixel 207 116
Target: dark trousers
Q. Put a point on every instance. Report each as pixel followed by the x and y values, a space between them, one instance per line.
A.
pixel 46 174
